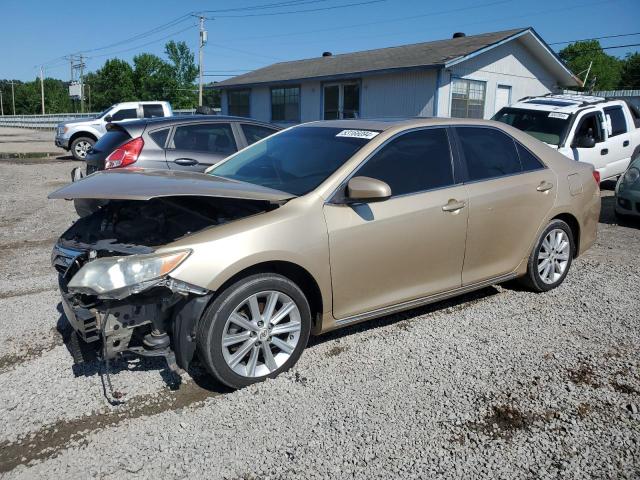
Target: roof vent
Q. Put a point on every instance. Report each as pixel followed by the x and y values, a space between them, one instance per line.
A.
pixel 459 35
pixel 327 54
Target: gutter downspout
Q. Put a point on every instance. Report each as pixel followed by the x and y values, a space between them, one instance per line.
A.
pixel 436 95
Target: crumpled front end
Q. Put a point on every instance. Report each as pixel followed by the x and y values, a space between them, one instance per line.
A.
pixel 115 279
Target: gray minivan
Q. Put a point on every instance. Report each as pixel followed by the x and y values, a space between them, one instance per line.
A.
pixel 191 143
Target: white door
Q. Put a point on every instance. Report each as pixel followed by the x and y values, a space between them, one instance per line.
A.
pixel 619 141
pixel 591 124
pixel 503 97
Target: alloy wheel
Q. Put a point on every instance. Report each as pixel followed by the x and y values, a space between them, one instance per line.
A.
pixel 261 334
pixel 82 148
pixel 553 256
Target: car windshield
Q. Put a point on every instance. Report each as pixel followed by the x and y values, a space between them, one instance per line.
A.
pixel 295 161
pixel 549 127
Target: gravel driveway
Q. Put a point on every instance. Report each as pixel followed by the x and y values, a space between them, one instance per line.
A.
pixel 501 383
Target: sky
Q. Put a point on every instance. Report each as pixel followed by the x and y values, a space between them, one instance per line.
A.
pixel 248 34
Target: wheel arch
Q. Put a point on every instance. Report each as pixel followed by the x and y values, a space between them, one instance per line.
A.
pixel 82 133
pixel 294 272
pixel 574 225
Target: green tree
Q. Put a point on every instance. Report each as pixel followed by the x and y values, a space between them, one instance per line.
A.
pixel 630 72
pixel 113 83
pixel 181 92
pixel 605 71
pixel 151 75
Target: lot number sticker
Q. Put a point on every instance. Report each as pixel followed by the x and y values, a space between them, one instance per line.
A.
pixel 367 134
pixel 563 116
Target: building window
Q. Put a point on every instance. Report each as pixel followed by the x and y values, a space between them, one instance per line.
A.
pixel 285 104
pixel 239 101
pixel 467 98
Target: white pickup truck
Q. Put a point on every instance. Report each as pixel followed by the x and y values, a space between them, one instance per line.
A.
pixel 595 130
pixel 79 136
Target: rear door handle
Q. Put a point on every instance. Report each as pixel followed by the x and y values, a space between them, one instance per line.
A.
pixel 544 187
pixel 186 162
pixel 625 143
pixel 604 151
pixel 453 206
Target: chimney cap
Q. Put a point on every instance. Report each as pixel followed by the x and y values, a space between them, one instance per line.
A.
pixel 327 54
pixel 459 35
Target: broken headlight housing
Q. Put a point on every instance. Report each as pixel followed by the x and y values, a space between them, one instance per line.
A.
pixel 119 277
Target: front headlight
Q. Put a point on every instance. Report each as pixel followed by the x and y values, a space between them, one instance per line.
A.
pixel 632 175
pixel 125 275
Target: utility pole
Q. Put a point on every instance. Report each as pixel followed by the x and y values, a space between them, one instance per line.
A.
pixel 13 98
pixel 203 41
pixel 1 105
pixel 81 83
pixel 42 86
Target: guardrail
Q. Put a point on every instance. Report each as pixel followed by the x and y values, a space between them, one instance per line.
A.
pixel 49 122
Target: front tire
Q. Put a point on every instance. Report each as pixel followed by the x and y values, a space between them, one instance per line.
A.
pixel 255 329
pixel 81 146
pixel 551 257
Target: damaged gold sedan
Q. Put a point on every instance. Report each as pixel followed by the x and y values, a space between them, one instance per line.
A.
pixel 317 227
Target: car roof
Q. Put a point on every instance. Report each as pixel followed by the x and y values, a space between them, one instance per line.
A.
pixel 196 118
pixel 561 103
pixel 383 124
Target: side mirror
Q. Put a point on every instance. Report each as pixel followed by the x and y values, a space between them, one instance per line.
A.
pixel 367 189
pixel 108 118
pixel 584 142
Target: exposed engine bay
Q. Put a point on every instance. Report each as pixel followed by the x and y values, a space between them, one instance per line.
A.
pixel 156 317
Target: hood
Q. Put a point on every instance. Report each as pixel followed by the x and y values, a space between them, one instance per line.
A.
pixel 78 120
pixel 139 184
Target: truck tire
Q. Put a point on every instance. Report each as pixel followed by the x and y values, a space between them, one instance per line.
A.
pixel 81 146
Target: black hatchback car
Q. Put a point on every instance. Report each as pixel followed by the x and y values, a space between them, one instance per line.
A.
pixel 191 143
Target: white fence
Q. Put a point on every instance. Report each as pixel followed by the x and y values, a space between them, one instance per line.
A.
pixel 50 121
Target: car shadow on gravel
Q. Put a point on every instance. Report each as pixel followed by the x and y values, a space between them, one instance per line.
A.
pixel 404 319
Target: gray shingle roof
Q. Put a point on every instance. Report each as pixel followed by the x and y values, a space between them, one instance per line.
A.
pixel 406 56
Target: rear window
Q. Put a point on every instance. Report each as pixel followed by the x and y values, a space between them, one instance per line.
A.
pixel 488 153
pixel 160 137
pixel 110 141
pixel 153 110
pixel 618 122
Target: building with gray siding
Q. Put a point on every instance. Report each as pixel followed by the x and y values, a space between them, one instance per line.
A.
pixel 464 76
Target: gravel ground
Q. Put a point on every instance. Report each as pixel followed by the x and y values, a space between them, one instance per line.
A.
pixel 501 383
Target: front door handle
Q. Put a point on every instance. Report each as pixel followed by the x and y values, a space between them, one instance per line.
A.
pixel 544 187
pixel 453 206
pixel 625 143
pixel 185 162
pixel 604 151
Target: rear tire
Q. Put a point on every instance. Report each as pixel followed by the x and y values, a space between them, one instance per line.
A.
pixel 551 258
pixel 255 329
pixel 81 146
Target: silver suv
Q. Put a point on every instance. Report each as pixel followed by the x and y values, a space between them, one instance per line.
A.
pixel 192 143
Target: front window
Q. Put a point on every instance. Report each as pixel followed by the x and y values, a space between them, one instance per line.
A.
pixel 548 127
pixel 295 161
pixel 239 103
pixel 467 98
pixel 125 114
pixel 285 104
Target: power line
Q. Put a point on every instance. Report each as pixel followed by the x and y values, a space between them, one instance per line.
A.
pixel 290 12
pixel 595 38
pixel 391 20
pixel 290 3
pixel 144 44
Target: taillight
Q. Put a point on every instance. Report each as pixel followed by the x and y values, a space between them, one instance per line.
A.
pixel 125 154
pixel 596 176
